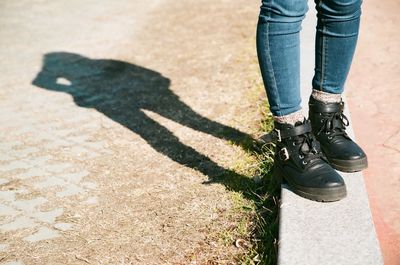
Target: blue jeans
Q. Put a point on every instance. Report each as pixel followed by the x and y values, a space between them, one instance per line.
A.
pixel 278 48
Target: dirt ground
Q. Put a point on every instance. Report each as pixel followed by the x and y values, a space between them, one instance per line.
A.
pixel 117 120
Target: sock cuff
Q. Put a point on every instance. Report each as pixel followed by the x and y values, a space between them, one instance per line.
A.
pixel 326 97
pixel 291 118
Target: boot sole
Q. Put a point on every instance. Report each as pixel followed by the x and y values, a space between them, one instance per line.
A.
pixel 314 194
pixel 349 166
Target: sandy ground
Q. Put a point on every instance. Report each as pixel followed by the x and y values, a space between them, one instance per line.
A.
pixel 374 97
pixel 115 118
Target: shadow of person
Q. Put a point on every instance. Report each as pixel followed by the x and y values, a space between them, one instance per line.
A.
pixel 122 90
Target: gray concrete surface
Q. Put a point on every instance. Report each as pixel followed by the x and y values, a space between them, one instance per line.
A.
pixel 112 130
pixel 338 233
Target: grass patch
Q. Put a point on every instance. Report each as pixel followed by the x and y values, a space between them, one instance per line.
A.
pixel 255 194
pixel 255 206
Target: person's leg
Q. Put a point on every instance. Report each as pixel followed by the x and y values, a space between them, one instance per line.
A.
pixel 336 39
pixel 335 43
pixel 298 158
pixel 278 49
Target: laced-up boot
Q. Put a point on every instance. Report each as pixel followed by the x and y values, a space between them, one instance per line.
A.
pixel 300 161
pixel 329 127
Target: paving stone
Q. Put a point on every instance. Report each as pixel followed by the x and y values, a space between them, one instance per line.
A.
pixel 63 226
pixel 43 233
pixel 3 247
pixel 19 223
pixel 13 263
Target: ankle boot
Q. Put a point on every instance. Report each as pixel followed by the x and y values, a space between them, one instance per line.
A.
pixel 329 125
pixel 300 161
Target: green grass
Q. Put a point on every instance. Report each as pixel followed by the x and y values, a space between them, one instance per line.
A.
pixel 255 201
pixel 254 192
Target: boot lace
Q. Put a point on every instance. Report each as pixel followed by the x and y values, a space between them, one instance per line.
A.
pixel 334 124
pixel 309 148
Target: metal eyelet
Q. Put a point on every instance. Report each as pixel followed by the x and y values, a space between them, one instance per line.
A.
pixel 293 143
pixel 327 132
pixel 301 156
pixel 329 137
pixel 304 162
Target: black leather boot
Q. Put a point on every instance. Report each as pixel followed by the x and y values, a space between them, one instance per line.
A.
pixel 300 161
pixel 329 125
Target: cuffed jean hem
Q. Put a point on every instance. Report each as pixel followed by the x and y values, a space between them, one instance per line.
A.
pixel 329 90
pixel 284 111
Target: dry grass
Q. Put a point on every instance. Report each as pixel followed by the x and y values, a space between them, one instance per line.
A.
pixel 255 210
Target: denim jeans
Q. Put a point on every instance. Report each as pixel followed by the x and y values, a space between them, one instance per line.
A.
pixel 278 48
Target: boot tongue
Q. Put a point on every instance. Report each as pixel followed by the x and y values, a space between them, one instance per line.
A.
pixel 298 123
pixel 305 147
pixel 337 122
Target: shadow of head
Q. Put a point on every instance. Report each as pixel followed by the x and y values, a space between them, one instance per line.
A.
pixel 99 83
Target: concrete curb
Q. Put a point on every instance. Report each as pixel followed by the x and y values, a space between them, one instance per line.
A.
pixel 338 233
